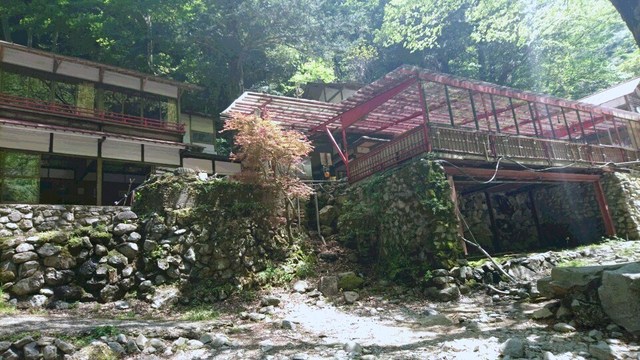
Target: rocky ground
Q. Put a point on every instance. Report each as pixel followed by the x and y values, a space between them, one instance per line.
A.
pixel 297 322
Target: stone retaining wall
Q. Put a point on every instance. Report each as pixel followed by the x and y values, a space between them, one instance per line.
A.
pixel 623 196
pixel 567 214
pixel 403 220
pixel 194 234
pixel 21 219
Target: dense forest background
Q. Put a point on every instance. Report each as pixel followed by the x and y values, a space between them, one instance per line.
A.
pixel 568 48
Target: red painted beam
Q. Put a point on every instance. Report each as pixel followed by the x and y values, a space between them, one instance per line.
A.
pixel 352 115
pixel 604 209
pixel 335 145
pixel 521 175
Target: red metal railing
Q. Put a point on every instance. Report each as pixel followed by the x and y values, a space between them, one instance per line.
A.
pixel 68 111
pixel 488 146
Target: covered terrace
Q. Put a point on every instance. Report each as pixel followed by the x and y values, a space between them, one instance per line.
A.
pixel 472 125
pixel 423 111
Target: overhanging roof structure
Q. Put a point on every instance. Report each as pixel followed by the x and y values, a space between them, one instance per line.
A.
pixel 410 96
pixel 34 59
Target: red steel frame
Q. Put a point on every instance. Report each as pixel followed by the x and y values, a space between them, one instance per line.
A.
pixel 68 111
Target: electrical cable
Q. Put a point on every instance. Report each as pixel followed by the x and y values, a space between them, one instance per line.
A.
pixel 495 173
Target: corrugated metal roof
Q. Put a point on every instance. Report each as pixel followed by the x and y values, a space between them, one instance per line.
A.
pixel 612 93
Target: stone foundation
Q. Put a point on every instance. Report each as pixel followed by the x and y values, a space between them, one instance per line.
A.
pixel 403 220
pixel 211 237
pixel 623 196
pixel 17 220
pixel 567 215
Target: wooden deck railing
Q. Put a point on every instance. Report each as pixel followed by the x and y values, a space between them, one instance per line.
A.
pixel 489 146
pixel 68 111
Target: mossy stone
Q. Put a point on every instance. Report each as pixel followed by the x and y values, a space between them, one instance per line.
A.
pixel 349 281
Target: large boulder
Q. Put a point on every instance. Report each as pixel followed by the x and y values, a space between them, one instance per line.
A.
pixel 620 296
pixel 567 280
pixel 27 286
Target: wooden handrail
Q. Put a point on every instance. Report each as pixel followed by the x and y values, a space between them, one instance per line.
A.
pixel 102 116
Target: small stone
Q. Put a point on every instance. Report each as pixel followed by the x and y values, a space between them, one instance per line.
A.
pixel 132 347
pixel 46 340
pixel 141 341
pixel 352 347
pixel 30 351
pixel 266 345
pixel 156 343
pixel 601 351
pixel 23 257
pixel 547 355
pixel 596 334
pixel 300 356
pixel 301 286
pixel 50 352
pixel 287 325
pixel 542 313
pixel 122 338
pixel 4 345
pixel 122 305
pixel 563 327
pixel 350 297
pixel 219 340
pixel 116 348
pixel 194 344
pixel 24 247
pixel 22 342
pixel 38 301
pixel 64 346
pixel 328 285
pixel 129 249
pixel 123 228
pixel 513 347
pixel 270 301
pixel 10 355
pixel 179 232
pixel 256 316
pixel 100 250
pixel 126 215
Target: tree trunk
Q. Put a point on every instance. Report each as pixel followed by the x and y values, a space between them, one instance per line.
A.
pixel 6 30
pixel 629 10
pixel 236 70
pixel 147 20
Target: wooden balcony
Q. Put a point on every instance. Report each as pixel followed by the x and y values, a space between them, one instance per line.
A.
pixel 469 144
pixel 32 106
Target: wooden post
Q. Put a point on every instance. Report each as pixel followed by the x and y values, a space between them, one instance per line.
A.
pixel 497 244
pixel 99 182
pixel 604 209
pixel 534 212
pixel 454 199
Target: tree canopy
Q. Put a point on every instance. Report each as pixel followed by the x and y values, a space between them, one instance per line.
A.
pixel 564 48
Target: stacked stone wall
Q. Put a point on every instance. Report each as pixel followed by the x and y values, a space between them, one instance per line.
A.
pixel 623 196
pixel 21 219
pixel 189 233
pixel 567 214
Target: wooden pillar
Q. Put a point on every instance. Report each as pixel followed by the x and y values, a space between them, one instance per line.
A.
pixel 497 244
pixel 536 219
pixel 604 209
pixel 454 199
pixel 99 182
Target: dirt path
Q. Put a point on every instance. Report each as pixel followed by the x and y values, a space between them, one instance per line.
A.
pixel 386 326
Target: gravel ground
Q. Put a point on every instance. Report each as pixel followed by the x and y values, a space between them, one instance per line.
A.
pixel 392 323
